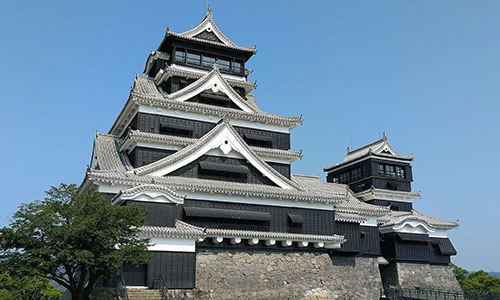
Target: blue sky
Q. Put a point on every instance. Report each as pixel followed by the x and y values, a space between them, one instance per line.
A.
pixel 425 72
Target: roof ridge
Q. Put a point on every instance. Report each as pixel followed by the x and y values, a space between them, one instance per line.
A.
pixel 366 146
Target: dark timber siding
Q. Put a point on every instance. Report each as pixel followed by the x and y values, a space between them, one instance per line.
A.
pixel 372 178
pixel 395 205
pixel 177 268
pixel 315 221
pixel 370 240
pixel 151 123
pixel 396 249
pixel 159 214
pixel 253 176
pixel 351 233
pixel 142 156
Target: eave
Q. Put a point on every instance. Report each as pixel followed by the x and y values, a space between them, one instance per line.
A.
pixel 134 136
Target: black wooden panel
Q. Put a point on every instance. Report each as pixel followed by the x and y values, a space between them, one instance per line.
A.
pixel 193 170
pixel 440 250
pixel 178 269
pixel 151 123
pixel 134 275
pixel 395 205
pixel 142 156
pixel 351 233
pixel 370 241
pixel 315 221
pixel 395 248
pixel 159 214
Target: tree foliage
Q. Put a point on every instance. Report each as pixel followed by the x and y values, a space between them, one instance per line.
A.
pixel 73 238
pixel 27 288
pixel 476 281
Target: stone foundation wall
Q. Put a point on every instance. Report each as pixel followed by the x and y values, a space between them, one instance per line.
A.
pixel 243 275
pixel 408 275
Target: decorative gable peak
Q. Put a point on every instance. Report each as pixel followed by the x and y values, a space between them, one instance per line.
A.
pixel 208 31
pixel 216 83
pixel 222 137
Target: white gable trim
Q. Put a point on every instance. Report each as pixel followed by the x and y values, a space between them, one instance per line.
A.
pixel 212 81
pixel 227 142
pixel 410 226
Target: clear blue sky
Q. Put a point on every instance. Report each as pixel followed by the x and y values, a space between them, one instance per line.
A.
pixel 425 72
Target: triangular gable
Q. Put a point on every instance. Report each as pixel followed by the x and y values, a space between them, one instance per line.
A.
pixel 209 36
pixel 384 148
pixel 213 81
pixel 225 138
pixel 208 25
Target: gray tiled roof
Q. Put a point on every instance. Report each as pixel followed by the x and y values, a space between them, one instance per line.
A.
pixel 352 206
pixel 227 43
pixel 279 236
pixel 139 136
pixel 107 155
pixel 201 142
pixel 349 217
pixel 181 230
pixel 399 217
pixel 151 188
pixel 185 230
pixel 145 91
pixel 376 148
pixel 180 184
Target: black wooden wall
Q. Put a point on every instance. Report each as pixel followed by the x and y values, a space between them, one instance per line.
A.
pixel 315 221
pixel 152 123
pixel 142 156
pixel 363 240
pixel 177 268
pixel 395 205
pixel 370 240
pixel 415 248
pixel 372 178
pixel 159 214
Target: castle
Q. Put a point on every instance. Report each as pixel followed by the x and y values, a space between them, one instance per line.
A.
pixel 227 218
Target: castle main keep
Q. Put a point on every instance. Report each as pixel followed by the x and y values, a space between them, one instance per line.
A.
pixel 227 218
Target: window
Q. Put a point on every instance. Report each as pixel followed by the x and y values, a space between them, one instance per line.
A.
pixel 176 129
pixel 207 61
pixel 357 173
pixel 344 177
pixel 224 64
pixel 400 172
pixel 193 58
pixel 381 169
pixel 389 171
pixel 180 55
pixel 335 179
pixel 236 67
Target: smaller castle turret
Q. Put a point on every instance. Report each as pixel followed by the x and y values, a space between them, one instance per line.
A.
pixel 377 174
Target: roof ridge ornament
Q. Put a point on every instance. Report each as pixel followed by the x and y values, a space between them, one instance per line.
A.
pixel 209 12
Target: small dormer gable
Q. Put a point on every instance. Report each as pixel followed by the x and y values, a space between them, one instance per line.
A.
pixel 212 86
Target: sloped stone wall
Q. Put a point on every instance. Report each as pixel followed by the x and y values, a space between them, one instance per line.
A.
pixel 243 275
pixel 411 275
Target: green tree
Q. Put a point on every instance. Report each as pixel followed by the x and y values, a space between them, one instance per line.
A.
pixel 73 239
pixel 27 288
pixel 479 281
